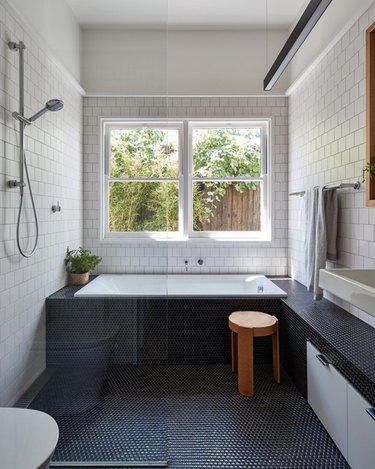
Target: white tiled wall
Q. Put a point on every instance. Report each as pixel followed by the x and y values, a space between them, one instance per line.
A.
pixel 327 145
pixel 53 147
pixel 146 256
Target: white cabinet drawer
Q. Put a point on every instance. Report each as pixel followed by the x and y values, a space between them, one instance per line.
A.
pixel 327 395
pixel 361 432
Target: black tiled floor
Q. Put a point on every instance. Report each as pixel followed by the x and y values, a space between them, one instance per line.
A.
pixel 193 416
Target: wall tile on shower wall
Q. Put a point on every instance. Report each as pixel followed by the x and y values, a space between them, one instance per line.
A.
pixel 156 257
pixel 53 148
pixel 327 145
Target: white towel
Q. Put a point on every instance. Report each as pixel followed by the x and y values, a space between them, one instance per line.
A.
pixel 315 239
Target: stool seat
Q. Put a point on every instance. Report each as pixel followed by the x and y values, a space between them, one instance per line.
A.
pixel 244 326
pixel 253 320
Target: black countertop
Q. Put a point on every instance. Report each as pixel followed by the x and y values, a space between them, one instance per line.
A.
pixel 351 337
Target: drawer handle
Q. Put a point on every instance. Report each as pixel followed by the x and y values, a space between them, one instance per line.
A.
pixel 371 412
pixel 323 360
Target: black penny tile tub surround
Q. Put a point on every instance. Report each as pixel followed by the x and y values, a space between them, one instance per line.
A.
pixel 195 331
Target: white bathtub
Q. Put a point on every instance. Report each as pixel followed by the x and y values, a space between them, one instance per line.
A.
pixel 133 285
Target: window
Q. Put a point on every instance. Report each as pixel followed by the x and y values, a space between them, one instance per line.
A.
pixel 142 179
pixel 181 180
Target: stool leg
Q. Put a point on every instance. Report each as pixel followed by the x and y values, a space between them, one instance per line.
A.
pixel 245 363
pixel 234 352
pixel 276 355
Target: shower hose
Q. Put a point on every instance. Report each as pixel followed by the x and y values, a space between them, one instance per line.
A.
pixel 21 250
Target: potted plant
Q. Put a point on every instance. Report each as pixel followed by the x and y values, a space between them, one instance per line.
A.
pixel 78 263
pixel 370 169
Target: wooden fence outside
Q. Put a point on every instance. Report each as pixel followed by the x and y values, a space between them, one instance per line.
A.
pixel 237 211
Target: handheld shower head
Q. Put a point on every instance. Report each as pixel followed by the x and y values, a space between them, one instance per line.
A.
pixel 51 105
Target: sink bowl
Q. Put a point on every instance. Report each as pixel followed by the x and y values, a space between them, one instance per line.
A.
pixel 356 286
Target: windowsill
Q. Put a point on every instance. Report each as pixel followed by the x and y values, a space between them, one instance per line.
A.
pixel 192 240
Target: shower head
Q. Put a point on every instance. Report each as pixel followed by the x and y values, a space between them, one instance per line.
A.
pixel 54 105
pixel 51 105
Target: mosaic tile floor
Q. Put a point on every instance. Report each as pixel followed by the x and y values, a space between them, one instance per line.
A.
pixel 193 416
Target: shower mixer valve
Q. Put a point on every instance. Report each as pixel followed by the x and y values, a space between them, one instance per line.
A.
pixel 16 45
pixel 15 183
pixel 56 208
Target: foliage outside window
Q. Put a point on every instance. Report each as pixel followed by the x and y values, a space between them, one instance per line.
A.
pixel 143 194
pixel 152 188
pixel 225 198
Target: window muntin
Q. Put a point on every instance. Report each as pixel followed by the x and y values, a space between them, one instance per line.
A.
pixel 219 170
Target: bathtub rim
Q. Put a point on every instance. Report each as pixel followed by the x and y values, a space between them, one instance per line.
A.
pixel 279 293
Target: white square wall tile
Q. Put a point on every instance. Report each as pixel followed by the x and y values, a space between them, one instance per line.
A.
pixel 327 146
pixel 215 256
pixel 53 147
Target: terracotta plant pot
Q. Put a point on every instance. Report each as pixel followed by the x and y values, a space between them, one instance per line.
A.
pixel 79 279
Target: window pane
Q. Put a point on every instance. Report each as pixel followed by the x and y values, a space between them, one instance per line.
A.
pixel 143 206
pixel 226 152
pixel 143 152
pixel 221 206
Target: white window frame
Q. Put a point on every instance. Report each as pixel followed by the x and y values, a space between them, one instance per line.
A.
pixel 185 179
pixel 109 124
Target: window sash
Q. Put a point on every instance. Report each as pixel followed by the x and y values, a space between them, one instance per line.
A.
pixel 235 124
pixel 262 179
pixel 107 127
pixel 157 125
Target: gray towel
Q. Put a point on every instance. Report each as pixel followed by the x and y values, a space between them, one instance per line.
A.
pixel 315 239
pixel 331 211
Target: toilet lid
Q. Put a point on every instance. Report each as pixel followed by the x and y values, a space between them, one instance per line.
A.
pixel 27 438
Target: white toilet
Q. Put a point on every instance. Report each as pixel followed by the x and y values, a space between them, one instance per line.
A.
pixel 28 438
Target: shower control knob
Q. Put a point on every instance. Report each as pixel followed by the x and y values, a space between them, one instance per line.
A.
pixel 56 208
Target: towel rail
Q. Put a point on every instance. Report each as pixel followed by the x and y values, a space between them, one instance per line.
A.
pixel 343 185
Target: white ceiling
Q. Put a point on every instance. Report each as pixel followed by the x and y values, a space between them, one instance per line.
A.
pixel 189 14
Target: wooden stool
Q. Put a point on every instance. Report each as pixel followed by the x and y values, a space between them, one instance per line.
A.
pixel 245 325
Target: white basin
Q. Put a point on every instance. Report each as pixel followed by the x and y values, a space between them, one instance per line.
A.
pixel 356 286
